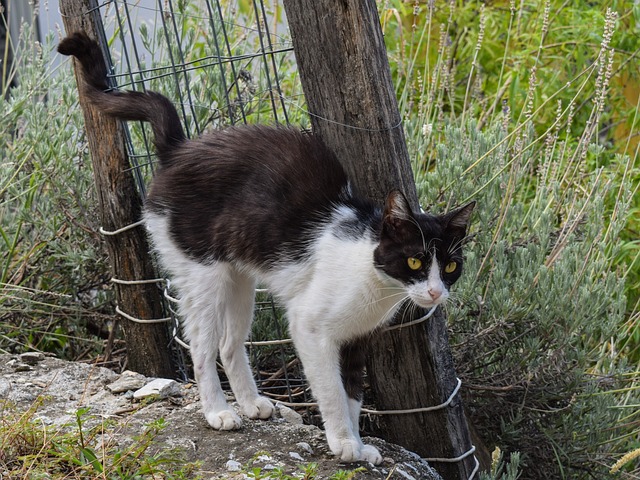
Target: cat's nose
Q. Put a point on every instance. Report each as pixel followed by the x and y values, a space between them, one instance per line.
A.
pixel 435 293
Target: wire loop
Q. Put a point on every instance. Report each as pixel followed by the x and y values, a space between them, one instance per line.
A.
pixel 120 312
pixel 120 230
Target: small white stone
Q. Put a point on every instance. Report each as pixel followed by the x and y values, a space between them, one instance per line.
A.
pixel 296 456
pixel 233 466
pixel 5 387
pixel 162 387
pixel 290 415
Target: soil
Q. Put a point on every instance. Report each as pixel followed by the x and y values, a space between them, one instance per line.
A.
pixel 278 442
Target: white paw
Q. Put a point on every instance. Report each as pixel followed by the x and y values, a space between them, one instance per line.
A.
pixel 371 454
pixel 352 450
pixel 259 407
pixel 224 420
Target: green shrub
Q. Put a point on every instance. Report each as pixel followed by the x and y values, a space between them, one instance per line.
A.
pixel 538 299
pixel 52 266
pixel 521 63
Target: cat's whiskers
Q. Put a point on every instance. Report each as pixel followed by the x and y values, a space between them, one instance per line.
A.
pixel 454 247
pixel 395 308
pixel 387 297
pixel 430 246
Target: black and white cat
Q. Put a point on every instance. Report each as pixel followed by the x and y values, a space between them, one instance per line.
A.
pixel 273 205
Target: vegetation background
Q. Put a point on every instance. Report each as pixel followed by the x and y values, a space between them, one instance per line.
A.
pixel 528 107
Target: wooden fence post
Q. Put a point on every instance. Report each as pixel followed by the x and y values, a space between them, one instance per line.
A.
pixel 345 75
pixel 120 205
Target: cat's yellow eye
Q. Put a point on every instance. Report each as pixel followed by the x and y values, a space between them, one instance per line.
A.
pixel 450 267
pixel 414 263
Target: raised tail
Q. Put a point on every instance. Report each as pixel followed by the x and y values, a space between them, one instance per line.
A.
pixel 144 106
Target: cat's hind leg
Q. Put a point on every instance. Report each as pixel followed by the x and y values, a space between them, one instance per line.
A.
pixel 203 304
pixel 238 314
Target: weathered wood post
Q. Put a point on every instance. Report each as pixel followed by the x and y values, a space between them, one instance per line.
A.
pixel 120 206
pixel 345 75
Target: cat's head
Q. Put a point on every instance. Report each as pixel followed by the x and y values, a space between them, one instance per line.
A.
pixel 421 252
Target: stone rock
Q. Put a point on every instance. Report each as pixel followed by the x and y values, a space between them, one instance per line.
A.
pixel 68 386
pixel 304 446
pixel 5 387
pixel 233 466
pixel 162 387
pixel 32 358
pixel 128 380
pixel 290 415
pixel 22 367
pixel 296 456
pixel 263 459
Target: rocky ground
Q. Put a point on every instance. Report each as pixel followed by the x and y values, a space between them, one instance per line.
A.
pixel 282 441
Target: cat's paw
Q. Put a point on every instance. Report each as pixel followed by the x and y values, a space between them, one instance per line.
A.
pixel 259 407
pixel 351 450
pixel 369 453
pixel 224 420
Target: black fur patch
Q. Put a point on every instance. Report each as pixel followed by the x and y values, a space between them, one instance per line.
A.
pixel 352 363
pixel 253 194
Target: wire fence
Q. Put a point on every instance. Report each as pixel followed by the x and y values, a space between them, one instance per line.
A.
pixel 221 63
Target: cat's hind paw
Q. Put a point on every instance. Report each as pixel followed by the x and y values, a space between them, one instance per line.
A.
pixel 354 451
pixel 259 407
pixel 224 420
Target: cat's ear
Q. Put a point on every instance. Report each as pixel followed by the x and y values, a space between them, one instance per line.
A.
pixel 458 219
pixel 396 207
pixel 397 217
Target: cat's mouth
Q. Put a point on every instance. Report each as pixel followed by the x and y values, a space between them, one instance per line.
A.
pixel 429 299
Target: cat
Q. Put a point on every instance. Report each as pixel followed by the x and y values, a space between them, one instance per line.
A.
pixel 273 205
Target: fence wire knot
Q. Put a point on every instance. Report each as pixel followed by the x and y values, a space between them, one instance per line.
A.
pixel 459 458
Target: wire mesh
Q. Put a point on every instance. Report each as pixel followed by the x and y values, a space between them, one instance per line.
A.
pixel 222 63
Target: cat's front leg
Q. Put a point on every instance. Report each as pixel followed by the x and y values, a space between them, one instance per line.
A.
pixel 347 444
pixel 321 361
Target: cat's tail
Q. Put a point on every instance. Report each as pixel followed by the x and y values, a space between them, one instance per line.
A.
pixel 144 106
